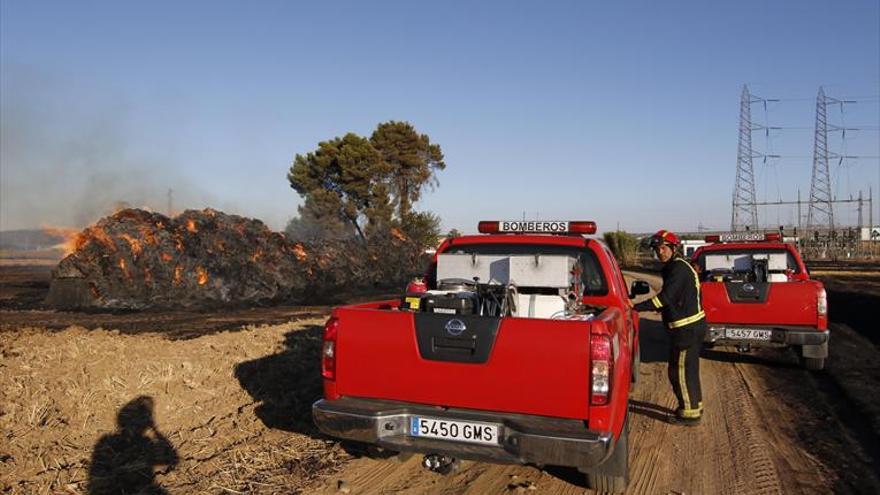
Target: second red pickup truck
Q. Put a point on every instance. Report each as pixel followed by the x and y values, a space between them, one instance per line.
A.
pixel 521 350
pixel 757 293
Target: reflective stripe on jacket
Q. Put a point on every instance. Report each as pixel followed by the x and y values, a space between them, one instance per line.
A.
pixel 679 300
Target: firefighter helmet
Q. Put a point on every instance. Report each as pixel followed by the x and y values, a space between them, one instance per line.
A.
pixel 665 237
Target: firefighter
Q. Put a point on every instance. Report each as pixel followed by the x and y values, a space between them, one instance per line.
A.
pixel 685 322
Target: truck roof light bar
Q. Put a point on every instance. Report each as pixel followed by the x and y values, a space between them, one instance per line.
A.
pixel 744 237
pixel 536 227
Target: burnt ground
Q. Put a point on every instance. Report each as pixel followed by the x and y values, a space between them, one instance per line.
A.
pixel 23 289
pixel 223 401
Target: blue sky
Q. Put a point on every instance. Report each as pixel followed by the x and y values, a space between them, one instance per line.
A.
pixel 620 112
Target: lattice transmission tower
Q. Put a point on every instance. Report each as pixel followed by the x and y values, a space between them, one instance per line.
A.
pixel 820 215
pixel 744 213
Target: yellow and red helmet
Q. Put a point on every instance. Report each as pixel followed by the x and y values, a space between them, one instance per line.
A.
pixel 665 237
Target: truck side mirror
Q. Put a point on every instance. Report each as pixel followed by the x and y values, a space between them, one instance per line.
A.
pixel 638 288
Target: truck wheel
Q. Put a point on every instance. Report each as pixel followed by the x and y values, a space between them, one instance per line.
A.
pixel 813 356
pixel 814 364
pixel 612 475
pixel 634 376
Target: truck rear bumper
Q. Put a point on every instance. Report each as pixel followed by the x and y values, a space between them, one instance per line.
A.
pixel 780 336
pixel 523 439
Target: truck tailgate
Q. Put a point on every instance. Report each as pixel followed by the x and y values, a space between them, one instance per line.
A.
pixel 521 365
pixel 775 303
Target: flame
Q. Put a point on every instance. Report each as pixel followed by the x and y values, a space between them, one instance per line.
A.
pixel 95 234
pixel 124 268
pixel 191 226
pixel 299 251
pixel 178 272
pixel 133 244
pixel 178 243
pixel 166 257
pixel 257 255
pixel 202 274
pixel 148 235
pixel 69 236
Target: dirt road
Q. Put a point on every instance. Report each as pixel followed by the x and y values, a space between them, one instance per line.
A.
pixel 746 444
pixel 767 429
pixel 229 413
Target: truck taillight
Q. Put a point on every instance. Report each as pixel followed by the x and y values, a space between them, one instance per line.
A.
pixel 328 354
pixel 602 361
pixel 822 303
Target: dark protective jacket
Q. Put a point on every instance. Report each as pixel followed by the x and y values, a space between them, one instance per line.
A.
pixel 679 300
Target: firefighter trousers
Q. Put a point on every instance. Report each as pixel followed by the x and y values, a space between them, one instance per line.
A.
pixel 685 344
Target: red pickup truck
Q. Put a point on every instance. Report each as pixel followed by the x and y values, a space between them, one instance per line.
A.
pixel 521 350
pixel 757 293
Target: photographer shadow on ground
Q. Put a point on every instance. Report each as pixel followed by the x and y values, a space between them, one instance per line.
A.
pixel 286 384
pixel 125 461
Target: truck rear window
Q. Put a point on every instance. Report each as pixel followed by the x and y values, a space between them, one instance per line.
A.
pixel 592 275
pixel 739 261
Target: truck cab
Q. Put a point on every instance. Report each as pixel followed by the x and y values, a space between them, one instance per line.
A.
pixel 756 292
pixel 519 349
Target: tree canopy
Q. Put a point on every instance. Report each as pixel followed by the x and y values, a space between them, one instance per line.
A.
pixel 412 159
pixel 343 178
pixel 367 184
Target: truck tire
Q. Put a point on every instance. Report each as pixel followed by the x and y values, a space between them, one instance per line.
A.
pixel 612 475
pixel 634 376
pixel 814 364
pixel 813 356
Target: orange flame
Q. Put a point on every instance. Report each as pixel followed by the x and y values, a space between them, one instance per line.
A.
pixel 191 226
pixel 178 273
pixel 178 242
pixel 148 235
pixel 166 257
pixel 95 234
pixel 133 244
pixel 124 268
pixel 69 236
pixel 299 251
pixel 257 255
pixel 202 274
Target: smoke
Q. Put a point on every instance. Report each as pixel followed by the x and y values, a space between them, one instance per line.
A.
pixel 68 155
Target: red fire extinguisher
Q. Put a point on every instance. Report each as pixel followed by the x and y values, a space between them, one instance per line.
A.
pixel 414 292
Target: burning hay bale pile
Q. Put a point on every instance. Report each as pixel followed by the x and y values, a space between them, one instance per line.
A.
pixel 137 259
